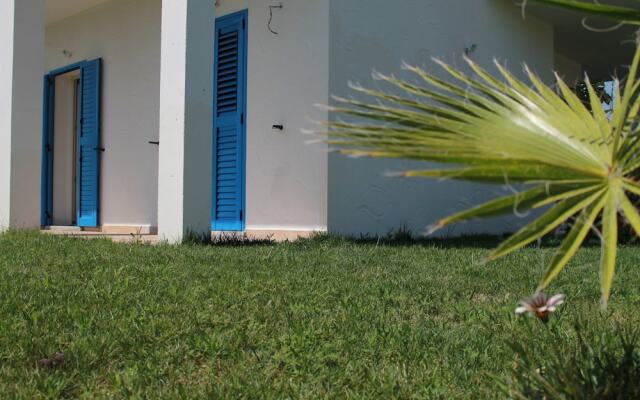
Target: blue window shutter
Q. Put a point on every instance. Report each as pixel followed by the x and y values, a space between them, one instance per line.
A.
pixel 46 208
pixel 230 72
pixel 89 146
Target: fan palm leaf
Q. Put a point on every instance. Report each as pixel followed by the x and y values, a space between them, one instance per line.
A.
pixel 576 162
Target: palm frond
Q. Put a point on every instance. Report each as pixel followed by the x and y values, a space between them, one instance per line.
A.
pixel 503 129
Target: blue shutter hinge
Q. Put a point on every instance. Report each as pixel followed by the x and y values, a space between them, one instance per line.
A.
pixel 243 24
pixel 241 215
pixel 242 118
pixel 99 149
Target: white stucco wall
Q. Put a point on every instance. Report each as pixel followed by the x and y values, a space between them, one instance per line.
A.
pixel 321 45
pixel 378 34
pixel 186 119
pixel 287 75
pixel 7 33
pixel 21 61
pixel 126 35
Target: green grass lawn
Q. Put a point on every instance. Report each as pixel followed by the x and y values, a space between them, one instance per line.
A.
pixel 317 318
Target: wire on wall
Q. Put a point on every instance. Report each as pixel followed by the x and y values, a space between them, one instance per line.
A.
pixel 271 8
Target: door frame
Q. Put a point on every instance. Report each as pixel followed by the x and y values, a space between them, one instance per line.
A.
pixel 243 86
pixel 48 133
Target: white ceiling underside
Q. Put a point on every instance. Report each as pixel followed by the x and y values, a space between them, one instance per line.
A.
pixel 57 10
pixel 601 53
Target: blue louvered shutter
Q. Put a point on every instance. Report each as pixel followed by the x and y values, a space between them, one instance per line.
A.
pixel 89 145
pixel 229 129
pixel 46 193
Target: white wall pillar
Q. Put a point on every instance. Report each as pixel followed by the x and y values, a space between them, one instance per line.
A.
pixel 21 77
pixel 186 118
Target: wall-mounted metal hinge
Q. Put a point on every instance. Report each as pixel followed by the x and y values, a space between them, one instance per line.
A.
pixel 242 118
pixel 99 149
pixel 241 215
pixel 243 24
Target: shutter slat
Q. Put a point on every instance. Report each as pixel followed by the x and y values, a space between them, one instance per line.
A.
pixel 227 59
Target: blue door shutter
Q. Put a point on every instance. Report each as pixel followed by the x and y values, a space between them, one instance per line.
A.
pixel 89 146
pixel 46 209
pixel 229 123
